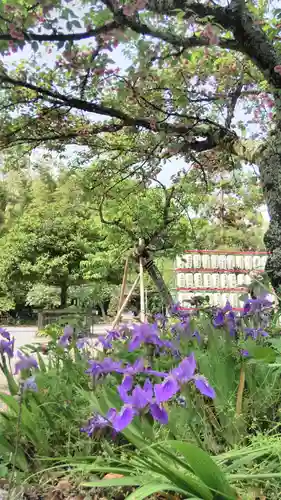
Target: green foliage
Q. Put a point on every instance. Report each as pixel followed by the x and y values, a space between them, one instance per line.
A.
pixel 43 296
pixel 53 241
pixel 208 450
pixel 50 418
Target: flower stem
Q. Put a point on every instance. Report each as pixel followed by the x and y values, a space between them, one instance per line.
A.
pixel 240 391
pixel 14 459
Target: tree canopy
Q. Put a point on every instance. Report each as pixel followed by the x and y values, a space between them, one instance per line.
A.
pixel 199 78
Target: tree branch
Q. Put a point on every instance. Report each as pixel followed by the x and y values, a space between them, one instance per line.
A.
pixel 231 108
pixel 196 126
pixel 29 36
pixel 249 36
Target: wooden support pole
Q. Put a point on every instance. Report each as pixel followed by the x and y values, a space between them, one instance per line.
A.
pixel 142 298
pixel 124 282
pixel 125 302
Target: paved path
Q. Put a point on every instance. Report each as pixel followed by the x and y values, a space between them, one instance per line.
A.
pixel 23 336
pixel 27 335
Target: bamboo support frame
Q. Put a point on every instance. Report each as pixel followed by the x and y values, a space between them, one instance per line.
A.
pixel 125 302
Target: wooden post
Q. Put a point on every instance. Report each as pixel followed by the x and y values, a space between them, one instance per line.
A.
pixel 125 302
pixel 142 298
pixel 124 282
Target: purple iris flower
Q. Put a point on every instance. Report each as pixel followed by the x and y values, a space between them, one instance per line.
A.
pixel 227 307
pixel 231 323
pixel 107 340
pixel 30 385
pixel 182 328
pixel 226 316
pixel 7 347
pixel 149 371
pixel 252 306
pixel 219 318
pixel 197 335
pixel 82 343
pixel 94 424
pixel 25 363
pixel 175 309
pixel 159 413
pixel 185 370
pixel 166 390
pixel 136 367
pixel 244 353
pixel 255 333
pixel 203 386
pixel 184 373
pixel 5 334
pixel 65 338
pixel 124 388
pixel 108 365
pixel 161 319
pixel 141 398
pixel 247 307
pixel 122 419
pixel 145 333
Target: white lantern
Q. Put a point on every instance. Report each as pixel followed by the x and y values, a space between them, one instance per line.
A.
pixel 214 261
pixel 263 261
pixel 189 261
pixel 197 261
pixel 206 261
pixel 189 280
pixel 207 280
pixel 230 262
pixel 248 262
pixel 198 280
pixel 232 281
pixel 256 262
pixel 222 261
pixel 216 280
pixel 239 261
pixel 223 280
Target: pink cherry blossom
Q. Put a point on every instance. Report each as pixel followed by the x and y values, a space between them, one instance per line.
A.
pixel 277 69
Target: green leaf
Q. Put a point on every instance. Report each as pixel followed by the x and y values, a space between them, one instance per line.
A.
pixel 6 450
pixel 3 471
pixel 10 402
pixel 260 353
pixel 41 363
pixel 120 481
pixel 204 467
pixel 150 489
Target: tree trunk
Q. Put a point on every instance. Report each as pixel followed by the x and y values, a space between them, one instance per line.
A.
pixel 159 282
pixel 63 295
pixel 270 170
pixel 102 310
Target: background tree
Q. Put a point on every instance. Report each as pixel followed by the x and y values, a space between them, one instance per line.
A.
pixel 52 236
pixel 230 202
pixel 49 240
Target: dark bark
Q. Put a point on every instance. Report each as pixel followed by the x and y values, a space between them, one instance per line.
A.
pixel 159 282
pixel 63 295
pixel 270 169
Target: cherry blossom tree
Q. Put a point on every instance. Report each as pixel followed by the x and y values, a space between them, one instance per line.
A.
pixel 195 68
